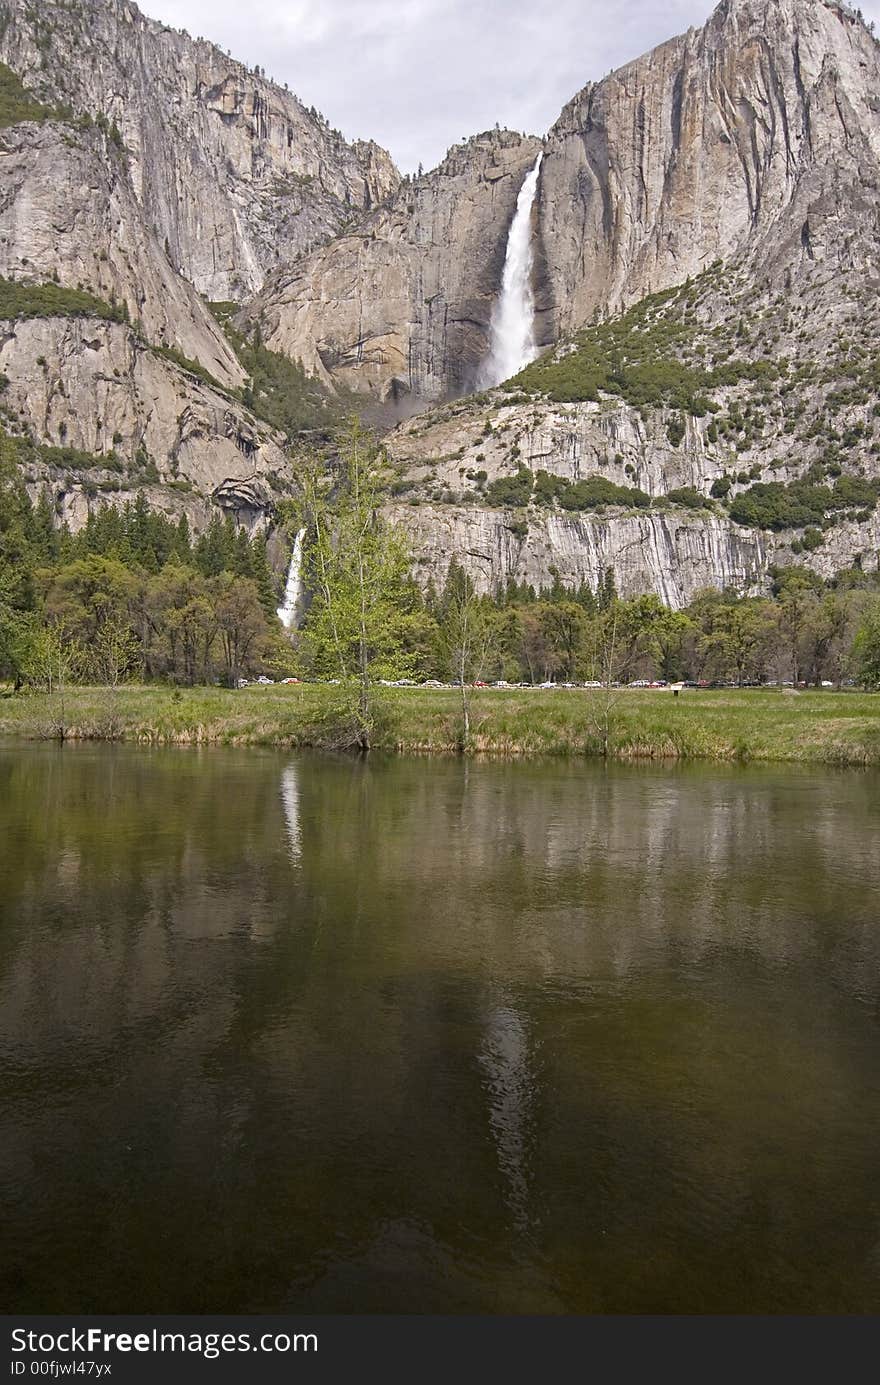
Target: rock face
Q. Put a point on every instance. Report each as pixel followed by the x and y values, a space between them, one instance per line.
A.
pixel 728 140
pixel 96 387
pixel 783 389
pixel 670 553
pixel 399 307
pixel 69 213
pixel 744 156
pixel 725 139
pixel 232 172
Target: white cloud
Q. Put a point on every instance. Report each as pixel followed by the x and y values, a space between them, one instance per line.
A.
pixel 420 75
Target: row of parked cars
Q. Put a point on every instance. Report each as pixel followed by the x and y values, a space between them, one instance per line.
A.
pixel 435 683
pixel 264 681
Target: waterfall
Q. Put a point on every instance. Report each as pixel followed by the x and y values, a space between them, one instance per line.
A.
pixel 290 801
pixel 287 611
pixel 512 329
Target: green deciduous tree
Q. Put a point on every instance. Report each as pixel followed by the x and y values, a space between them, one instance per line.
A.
pixel 867 646
pixel 357 571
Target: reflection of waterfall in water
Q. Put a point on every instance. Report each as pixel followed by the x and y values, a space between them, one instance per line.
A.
pixel 512 330
pixel 504 1059
pixel 288 610
pixel 290 800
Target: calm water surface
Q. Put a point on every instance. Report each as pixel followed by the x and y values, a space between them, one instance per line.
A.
pixel 419 1036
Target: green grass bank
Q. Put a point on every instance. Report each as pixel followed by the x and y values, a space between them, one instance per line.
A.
pixel 807 727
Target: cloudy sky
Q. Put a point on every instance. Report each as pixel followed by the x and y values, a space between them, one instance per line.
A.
pixel 419 75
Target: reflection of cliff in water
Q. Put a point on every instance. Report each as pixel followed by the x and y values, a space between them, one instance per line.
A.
pixel 418 1034
pixel 516 872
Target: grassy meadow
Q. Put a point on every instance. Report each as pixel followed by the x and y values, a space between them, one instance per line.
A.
pixel 762 725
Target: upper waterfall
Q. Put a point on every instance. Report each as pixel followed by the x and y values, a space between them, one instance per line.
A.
pixel 512 329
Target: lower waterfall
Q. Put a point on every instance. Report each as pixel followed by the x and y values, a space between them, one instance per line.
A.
pixel 289 609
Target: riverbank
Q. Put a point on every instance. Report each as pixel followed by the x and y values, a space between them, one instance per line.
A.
pixel 809 727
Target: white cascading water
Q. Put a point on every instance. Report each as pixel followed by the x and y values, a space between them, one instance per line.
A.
pixel 287 611
pixel 512 329
pixel 290 800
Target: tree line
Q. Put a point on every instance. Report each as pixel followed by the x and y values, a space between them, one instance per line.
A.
pixel 132 595
pixel 135 596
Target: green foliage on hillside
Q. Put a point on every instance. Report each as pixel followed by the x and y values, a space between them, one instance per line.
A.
pixel 511 492
pixel 21 300
pixel 690 498
pixel 590 493
pixel 278 389
pixel 774 505
pixel 546 489
pixel 638 357
pixel 17 104
pixel 171 353
pixel 23 451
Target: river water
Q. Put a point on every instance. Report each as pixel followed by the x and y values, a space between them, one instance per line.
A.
pixel 311 1034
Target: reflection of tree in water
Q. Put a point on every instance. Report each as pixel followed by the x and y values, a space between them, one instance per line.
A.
pixel 505 1060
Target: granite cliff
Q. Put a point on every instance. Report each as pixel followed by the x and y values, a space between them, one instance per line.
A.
pixel 706 244
pixel 399 307
pixel 726 140
pixel 230 170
